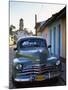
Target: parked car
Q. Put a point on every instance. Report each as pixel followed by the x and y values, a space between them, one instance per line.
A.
pixel 33 61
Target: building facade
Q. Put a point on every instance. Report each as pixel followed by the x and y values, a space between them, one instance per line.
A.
pixel 21 32
pixel 54 31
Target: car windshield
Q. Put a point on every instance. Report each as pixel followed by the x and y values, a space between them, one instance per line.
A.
pixel 32 42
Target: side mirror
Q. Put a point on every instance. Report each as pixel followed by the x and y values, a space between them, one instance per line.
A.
pixel 49 46
pixel 15 49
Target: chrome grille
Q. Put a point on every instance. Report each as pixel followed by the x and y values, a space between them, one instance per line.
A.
pixel 39 69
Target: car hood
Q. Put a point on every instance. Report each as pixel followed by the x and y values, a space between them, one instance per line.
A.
pixel 32 50
pixel 36 55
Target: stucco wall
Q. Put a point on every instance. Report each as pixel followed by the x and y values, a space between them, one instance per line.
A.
pixel 45 34
pixel 55 41
pixel 39 33
pixel 62 43
pixel 63 28
pixel 20 34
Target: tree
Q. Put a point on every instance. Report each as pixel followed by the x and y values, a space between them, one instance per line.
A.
pixel 11 28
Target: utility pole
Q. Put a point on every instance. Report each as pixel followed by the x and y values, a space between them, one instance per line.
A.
pixel 35 24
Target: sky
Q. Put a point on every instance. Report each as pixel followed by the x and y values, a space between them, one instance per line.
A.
pixel 27 11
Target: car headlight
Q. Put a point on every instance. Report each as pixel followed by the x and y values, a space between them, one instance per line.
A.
pixel 19 66
pixel 58 62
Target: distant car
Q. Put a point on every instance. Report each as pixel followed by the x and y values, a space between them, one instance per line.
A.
pixel 33 62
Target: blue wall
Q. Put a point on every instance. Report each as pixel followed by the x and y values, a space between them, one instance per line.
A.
pixel 55 38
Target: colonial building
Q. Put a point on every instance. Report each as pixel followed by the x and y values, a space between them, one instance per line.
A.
pixel 38 27
pixel 21 32
pixel 11 39
pixel 54 31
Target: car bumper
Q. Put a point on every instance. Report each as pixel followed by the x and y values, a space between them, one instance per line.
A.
pixel 26 78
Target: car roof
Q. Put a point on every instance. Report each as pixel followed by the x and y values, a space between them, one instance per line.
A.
pixel 39 37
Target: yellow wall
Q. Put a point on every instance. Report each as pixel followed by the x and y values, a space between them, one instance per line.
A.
pixel 45 34
pixel 63 28
pixel 38 33
pixel 11 41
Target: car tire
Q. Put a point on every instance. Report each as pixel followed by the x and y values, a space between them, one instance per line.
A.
pixel 18 84
pixel 15 84
pixel 56 79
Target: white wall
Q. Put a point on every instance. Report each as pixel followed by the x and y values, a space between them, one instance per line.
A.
pixel 21 34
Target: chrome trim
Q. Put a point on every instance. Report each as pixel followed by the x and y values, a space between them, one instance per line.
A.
pixel 50 75
pixel 22 80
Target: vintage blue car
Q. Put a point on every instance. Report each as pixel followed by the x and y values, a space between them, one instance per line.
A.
pixel 33 61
